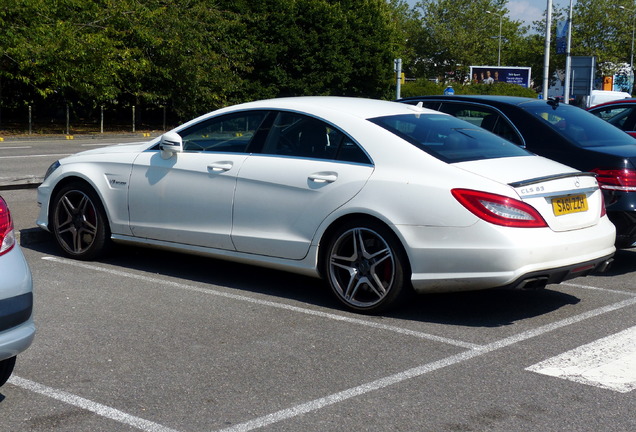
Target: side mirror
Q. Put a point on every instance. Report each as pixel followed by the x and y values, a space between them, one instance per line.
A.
pixel 170 143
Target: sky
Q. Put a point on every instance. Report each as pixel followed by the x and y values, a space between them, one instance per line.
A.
pixel 527 10
pixel 532 10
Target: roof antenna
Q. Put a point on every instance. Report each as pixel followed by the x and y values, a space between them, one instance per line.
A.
pixel 553 102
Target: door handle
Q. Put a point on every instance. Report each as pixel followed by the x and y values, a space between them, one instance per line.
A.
pixel 220 166
pixel 324 177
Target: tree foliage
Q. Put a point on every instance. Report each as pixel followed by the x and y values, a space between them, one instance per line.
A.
pixel 196 55
pixel 455 34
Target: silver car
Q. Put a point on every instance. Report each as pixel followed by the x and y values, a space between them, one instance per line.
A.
pixel 16 297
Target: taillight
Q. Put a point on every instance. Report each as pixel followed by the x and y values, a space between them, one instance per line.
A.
pixel 499 210
pixel 603 210
pixel 616 179
pixel 7 238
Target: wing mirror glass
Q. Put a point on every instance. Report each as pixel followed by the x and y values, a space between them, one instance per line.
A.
pixel 170 143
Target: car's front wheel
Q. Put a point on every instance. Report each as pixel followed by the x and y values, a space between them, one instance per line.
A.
pixel 366 266
pixel 79 222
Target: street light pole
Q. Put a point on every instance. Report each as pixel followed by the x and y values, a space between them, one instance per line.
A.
pixel 631 59
pixel 568 60
pixel 546 53
pixel 500 23
pixel 631 11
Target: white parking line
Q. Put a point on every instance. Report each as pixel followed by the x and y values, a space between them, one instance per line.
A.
pixel 319 403
pixel 593 288
pixel 15 147
pixel 89 405
pixel 420 370
pixel 608 363
pixel 367 323
pixel 35 156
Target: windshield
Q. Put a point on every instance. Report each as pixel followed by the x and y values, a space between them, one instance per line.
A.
pixel 448 138
pixel 581 127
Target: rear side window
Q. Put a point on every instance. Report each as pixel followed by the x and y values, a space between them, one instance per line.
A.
pixel 448 138
pixel 582 128
pixel 298 135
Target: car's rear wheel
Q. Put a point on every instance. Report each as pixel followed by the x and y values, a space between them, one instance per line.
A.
pixel 79 222
pixel 366 266
pixel 6 369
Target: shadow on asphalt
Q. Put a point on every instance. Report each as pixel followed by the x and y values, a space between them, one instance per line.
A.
pixel 624 262
pixel 486 308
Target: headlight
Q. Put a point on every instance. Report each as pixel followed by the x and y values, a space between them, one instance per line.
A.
pixel 52 168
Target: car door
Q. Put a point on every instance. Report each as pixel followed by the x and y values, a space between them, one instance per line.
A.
pixel 306 170
pixel 623 116
pixel 188 198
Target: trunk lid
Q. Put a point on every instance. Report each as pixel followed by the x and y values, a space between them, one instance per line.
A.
pixel 566 198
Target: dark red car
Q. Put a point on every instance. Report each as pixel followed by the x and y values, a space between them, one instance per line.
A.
pixel 621 113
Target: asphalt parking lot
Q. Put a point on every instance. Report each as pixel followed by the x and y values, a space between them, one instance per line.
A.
pixel 155 341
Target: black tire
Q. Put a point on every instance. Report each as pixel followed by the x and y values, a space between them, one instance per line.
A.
pixel 366 266
pixel 79 222
pixel 6 369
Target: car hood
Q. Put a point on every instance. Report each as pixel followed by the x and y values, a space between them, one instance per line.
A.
pixel 515 169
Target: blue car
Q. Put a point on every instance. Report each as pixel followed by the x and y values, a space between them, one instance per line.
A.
pixel 16 297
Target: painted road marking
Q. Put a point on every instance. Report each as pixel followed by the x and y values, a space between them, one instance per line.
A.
pixel 35 156
pixel 335 317
pixel 608 363
pixel 97 408
pixel 316 404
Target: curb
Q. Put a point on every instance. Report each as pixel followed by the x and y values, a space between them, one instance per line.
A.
pixel 14 184
pixel 96 135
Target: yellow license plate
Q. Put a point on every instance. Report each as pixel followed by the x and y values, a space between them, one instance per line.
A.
pixel 569 204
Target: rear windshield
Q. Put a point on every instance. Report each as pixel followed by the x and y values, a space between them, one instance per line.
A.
pixel 448 138
pixel 581 127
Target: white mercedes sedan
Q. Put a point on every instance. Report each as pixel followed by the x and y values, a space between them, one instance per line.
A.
pixel 378 198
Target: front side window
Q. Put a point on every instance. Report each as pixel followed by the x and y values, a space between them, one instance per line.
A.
pixel 448 138
pixel 230 133
pixel 299 135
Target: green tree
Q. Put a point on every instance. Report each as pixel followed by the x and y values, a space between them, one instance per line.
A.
pixel 455 34
pixel 319 47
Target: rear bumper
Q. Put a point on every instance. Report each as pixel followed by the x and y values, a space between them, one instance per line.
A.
pixel 16 304
pixel 474 258
pixel 621 211
pixel 16 340
pixel 539 279
pixel 625 222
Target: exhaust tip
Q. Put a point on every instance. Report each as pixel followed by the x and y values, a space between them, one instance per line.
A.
pixel 532 284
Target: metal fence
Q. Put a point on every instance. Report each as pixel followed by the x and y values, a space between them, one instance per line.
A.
pixel 69 119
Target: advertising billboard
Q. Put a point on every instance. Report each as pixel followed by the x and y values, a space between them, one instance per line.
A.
pixel 507 74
